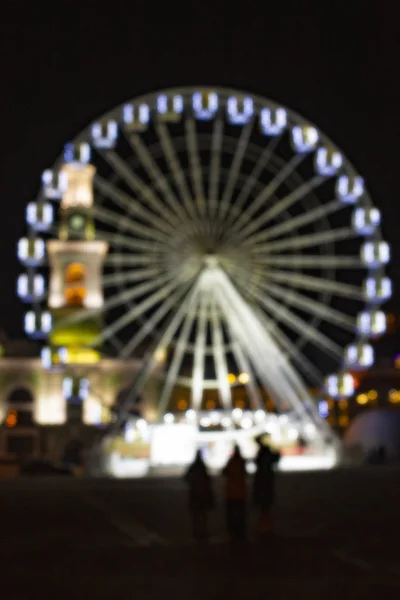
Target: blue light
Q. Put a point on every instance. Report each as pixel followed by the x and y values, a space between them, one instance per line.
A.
pixel 205 105
pixel 323 408
pixel 240 112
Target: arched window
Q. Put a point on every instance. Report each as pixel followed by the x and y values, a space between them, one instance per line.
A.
pixel 75 290
pixel 20 395
pixel 75 273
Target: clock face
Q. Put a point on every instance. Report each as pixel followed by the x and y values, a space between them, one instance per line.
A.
pixel 77 222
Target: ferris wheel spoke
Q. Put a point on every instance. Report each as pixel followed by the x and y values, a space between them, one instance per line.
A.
pixel 281 205
pixel 311 306
pixel 215 164
pixel 265 194
pixel 298 325
pixel 195 166
pixel 234 170
pixel 130 204
pixel 138 186
pixel 121 222
pixel 306 241
pixel 137 311
pixel 315 284
pixel 320 212
pixel 162 341
pixel 245 367
pixel 199 353
pixel 119 240
pixel 159 179
pixel 312 262
pixel 179 352
pixel 120 260
pixel 221 367
pixel 175 167
pixel 149 325
pixel 135 275
pixel 251 182
pixel 292 350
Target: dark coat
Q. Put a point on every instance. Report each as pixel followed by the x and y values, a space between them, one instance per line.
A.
pixel 201 496
pixel 264 478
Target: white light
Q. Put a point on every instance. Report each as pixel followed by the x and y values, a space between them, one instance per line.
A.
pixel 129 433
pixel 191 414
pixel 273 121
pixel 366 219
pixel 54 184
pixel 359 355
pixel 371 323
pixel 246 423
pixel 226 422
pixel 375 253
pixel 84 386
pixel 39 216
pixel 31 251
pixel 283 419
pixel 205 422
pixel 237 414
pixel 328 161
pixel 205 105
pixel 304 138
pixel 45 356
pixel 243 378
pixel 169 418
pixel 104 135
pixel 310 430
pixel 338 386
pixel 215 417
pixel 349 188
pixel 30 287
pixel 141 425
pixel 260 415
pixel 172 107
pixel 377 289
pixel 77 153
pixel 136 117
pixel 293 434
pixel 67 387
pixel 239 111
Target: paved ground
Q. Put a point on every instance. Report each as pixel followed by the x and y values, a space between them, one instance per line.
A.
pixel 337 536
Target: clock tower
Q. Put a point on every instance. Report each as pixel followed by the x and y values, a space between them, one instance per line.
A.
pixel 76 262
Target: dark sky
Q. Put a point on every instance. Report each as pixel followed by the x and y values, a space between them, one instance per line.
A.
pixel 339 69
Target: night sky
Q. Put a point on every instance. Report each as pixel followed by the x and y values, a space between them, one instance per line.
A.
pixel 58 73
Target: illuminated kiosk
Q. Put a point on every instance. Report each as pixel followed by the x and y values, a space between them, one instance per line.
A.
pixel 242 245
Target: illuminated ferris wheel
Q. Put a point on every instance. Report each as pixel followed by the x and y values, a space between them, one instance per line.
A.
pixel 218 228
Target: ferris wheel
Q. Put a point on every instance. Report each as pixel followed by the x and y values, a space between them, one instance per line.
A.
pixel 236 238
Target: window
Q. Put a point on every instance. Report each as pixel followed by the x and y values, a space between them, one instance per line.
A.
pixel 75 273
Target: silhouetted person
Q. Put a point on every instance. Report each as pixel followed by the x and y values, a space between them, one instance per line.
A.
pixel 235 495
pixel 264 485
pixel 201 496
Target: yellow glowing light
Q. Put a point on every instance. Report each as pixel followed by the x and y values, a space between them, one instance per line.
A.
pixel 160 355
pixel 343 421
pixel 394 396
pixel 240 403
pixel 210 404
pixel 11 419
pixel 343 404
pixel 182 404
pixel 244 378
pixel 75 273
pixel 231 378
pixel 82 356
pixel 362 399
pixel 372 394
